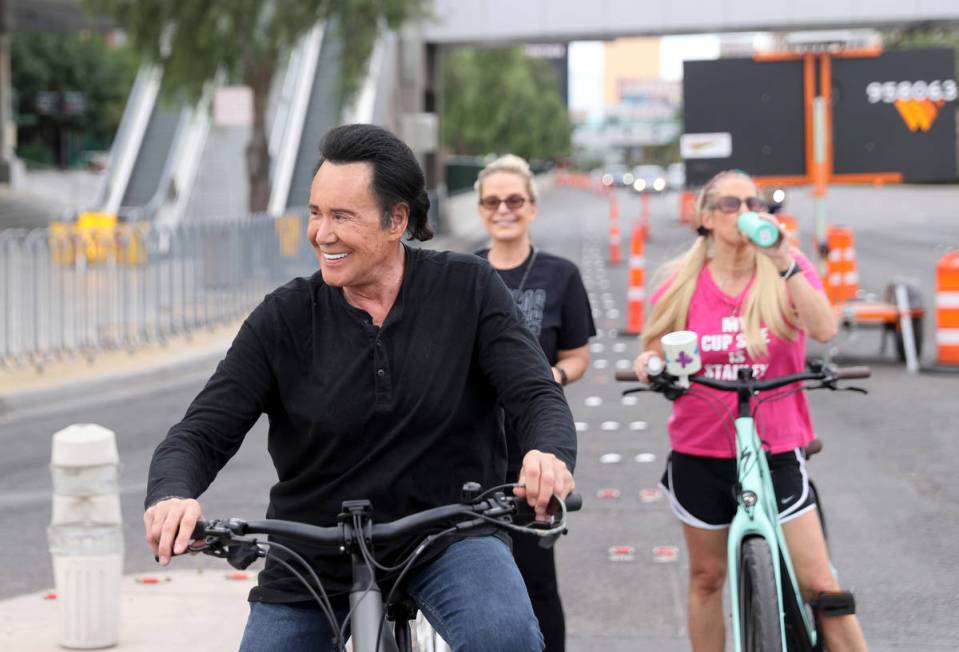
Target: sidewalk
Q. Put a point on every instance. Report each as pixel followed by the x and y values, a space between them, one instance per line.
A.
pixel 196 610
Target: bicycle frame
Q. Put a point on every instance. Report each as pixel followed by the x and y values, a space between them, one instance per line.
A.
pixel 234 540
pixel 761 518
pixel 757 515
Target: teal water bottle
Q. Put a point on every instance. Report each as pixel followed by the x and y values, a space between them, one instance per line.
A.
pixel 760 231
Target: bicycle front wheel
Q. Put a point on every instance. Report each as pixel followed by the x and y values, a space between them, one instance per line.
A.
pixel 760 626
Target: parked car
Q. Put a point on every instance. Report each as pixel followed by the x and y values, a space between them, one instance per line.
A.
pixel 649 178
pixel 617 176
pixel 676 176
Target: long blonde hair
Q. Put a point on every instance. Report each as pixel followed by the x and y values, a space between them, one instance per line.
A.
pixel 766 302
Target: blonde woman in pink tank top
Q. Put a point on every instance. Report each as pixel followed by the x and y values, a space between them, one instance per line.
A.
pixel 751 307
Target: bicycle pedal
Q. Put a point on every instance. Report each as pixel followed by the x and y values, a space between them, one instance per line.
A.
pixel 835 603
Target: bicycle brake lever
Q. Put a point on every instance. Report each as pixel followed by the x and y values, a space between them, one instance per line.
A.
pixel 634 390
pixel 860 390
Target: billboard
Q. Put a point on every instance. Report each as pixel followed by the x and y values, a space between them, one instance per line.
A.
pixel 894 113
pixel 760 106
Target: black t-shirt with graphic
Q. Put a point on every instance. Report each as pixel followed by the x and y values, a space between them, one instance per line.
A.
pixel 554 302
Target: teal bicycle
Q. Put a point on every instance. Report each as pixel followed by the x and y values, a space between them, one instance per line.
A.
pixel 768 610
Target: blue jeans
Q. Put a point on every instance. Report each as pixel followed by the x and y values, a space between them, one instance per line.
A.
pixel 472 594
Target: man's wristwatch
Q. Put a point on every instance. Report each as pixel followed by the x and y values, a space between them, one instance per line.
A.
pixel 563 378
pixel 790 271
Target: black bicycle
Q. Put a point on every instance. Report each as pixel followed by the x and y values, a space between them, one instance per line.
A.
pixel 355 534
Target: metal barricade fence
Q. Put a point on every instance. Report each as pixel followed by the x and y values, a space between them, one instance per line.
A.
pixel 67 293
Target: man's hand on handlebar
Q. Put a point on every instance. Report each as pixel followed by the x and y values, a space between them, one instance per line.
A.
pixel 543 475
pixel 169 524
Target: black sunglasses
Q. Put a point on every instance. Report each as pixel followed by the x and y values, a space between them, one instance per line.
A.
pixel 491 202
pixel 731 204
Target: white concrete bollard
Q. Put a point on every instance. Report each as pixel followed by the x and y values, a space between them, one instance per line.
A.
pixel 85 535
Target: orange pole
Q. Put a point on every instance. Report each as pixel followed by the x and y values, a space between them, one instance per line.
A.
pixel 825 81
pixel 809 93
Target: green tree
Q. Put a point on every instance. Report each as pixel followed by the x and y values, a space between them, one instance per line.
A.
pixel 247 40
pixel 70 92
pixel 499 100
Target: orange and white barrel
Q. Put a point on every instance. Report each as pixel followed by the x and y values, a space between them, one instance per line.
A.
pixel 842 276
pixel 947 309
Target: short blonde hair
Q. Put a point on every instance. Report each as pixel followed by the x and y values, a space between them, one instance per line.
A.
pixel 513 164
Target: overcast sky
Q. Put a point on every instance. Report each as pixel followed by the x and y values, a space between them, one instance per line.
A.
pixel 586 65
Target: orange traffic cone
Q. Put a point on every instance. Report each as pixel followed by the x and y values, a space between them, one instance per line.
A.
pixel 842 279
pixel 636 294
pixel 687 208
pixel 947 309
pixel 615 258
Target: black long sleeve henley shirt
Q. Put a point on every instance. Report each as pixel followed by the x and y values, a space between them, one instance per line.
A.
pixel 401 414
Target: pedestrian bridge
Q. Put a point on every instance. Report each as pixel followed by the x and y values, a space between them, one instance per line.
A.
pixel 529 21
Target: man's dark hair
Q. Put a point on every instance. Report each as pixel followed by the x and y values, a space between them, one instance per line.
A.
pixel 397 176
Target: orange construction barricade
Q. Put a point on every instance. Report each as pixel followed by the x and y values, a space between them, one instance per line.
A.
pixel 842 278
pixel 636 293
pixel 947 309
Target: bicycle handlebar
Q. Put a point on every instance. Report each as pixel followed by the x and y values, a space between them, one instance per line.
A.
pixel 853 372
pixel 497 507
pixel 825 374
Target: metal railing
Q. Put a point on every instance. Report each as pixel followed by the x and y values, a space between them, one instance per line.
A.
pixel 67 292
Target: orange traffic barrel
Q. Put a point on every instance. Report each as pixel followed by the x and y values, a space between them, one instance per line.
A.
pixel 947 308
pixel 636 293
pixel 842 277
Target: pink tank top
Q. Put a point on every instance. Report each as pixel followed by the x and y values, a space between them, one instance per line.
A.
pixel 696 426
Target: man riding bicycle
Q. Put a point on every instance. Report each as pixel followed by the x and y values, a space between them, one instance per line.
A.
pixel 380 375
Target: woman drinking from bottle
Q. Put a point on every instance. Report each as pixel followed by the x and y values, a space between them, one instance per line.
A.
pixel 752 307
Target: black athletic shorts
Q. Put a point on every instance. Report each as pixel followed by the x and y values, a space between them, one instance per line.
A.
pixel 700 489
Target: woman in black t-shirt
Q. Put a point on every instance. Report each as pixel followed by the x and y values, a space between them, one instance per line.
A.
pixel 550 294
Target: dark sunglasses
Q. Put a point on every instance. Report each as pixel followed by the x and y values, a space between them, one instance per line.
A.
pixel 731 204
pixel 512 202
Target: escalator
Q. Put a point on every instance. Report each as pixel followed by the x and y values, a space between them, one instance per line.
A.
pixel 323 113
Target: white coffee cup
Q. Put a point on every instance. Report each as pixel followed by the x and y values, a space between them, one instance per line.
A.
pixel 681 350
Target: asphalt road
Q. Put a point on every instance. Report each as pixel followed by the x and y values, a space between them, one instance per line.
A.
pixel 886 476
